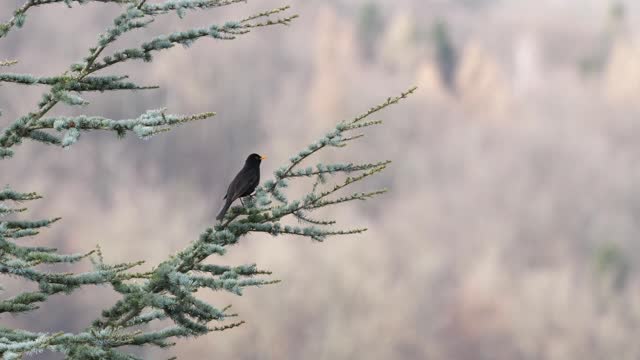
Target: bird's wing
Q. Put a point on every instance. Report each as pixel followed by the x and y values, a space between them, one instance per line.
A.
pixel 236 187
pixel 248 190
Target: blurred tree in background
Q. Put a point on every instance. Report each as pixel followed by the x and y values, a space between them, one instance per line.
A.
pixel 446 56
pixel 371 26
pixel 613 266
pixel 477 3
pixel 158 306
pixel 595 62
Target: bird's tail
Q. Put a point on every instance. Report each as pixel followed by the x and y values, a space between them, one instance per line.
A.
pixel 224 209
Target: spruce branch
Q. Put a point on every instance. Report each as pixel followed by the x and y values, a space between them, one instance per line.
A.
pixel 8 194
pixel 21 261
pixel 146 125
pixel 335 168
pixel 390 101
pixel 14 344
pixel 228 31
pixel 19 15
pixel 66 82
pixel 335 138
pixel 276 229
pixel 79 78
pixel 181 6
pixel 304 218
pixel 342 199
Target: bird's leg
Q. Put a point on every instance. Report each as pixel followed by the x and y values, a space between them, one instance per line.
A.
pixel 242 202
pixel 251 197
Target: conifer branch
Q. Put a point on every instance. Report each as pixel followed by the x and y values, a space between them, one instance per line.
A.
pixel 335 138
pixel 8 194
pixel 181 6
pixel 64 87
pixel 227 31
pixel 334 168
pixel 390 101
pixel 146 125
pixel 19 15
pixel 304 218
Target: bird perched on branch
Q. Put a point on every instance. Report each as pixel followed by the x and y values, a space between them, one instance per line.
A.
pixel 244 183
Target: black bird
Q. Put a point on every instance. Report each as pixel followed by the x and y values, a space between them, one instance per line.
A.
pixel 244 183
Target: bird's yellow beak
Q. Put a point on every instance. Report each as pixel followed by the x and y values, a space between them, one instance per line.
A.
pixel 262 157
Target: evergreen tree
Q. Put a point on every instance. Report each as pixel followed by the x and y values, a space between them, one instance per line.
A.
pixel 168 292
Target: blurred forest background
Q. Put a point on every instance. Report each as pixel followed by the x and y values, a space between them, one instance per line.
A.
pixel 511 229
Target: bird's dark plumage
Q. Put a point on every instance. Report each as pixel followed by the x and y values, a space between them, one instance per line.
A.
pixel 244 183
